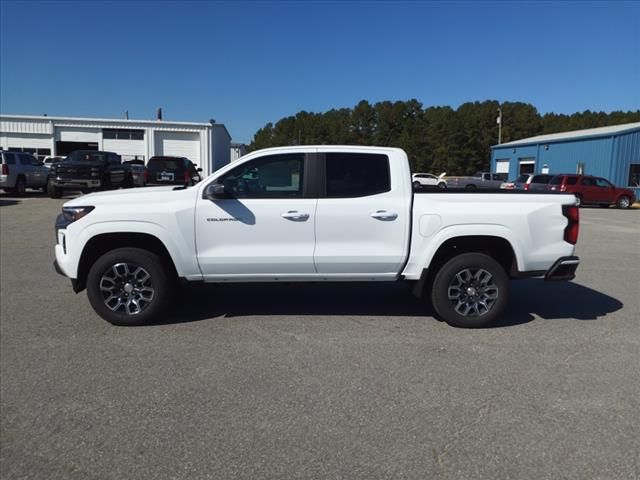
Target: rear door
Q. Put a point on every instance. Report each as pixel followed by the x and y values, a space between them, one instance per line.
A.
pixel 604 191
pixel 588 190
pixel 265 226
pixel 361 218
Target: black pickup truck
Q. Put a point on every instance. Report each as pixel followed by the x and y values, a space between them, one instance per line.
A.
pixel 89 170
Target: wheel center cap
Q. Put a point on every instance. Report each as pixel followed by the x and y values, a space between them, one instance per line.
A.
pixel 471 291
pixel 128 287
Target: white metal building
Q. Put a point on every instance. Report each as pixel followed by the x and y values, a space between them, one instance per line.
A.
pixel 205 144
pixel 238 150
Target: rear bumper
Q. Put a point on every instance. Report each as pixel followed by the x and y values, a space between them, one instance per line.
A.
pixel 563 269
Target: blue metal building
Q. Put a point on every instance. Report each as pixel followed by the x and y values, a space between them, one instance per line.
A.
pixel 609 152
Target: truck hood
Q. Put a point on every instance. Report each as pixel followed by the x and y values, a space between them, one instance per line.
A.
pixel 129 196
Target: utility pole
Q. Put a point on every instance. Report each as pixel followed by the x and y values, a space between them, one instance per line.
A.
pixel 499 120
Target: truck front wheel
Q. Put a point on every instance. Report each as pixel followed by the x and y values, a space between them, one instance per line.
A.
pixel 129 286
pixel 53 191
pixel 471 290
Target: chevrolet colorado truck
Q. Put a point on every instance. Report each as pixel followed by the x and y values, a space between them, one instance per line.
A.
pixel 89 170
pixel 313 214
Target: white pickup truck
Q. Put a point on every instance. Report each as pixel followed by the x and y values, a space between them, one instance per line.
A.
pixel 313 214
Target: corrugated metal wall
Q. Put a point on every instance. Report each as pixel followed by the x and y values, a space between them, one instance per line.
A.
pixel 608 157
pixel 564 157
pixel 626 152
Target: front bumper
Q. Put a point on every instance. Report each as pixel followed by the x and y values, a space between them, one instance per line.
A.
pixel 71 183
pixel 563 269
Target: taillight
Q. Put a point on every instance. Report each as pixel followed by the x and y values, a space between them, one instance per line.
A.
pixel 5 169
pixel 186 177
pixel 563 188
pixel 146 175
pixel 573 225
pixel 526 186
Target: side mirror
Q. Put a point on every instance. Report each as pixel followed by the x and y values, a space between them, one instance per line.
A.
pixel 198 169
pixel 214 191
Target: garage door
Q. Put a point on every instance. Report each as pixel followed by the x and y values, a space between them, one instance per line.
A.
pixel 178 144
pixel 502 166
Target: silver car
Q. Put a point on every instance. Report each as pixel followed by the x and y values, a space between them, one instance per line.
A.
pixel 19 171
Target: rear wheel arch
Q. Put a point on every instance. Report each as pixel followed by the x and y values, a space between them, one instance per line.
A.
pixel 101 244
pixel 498 248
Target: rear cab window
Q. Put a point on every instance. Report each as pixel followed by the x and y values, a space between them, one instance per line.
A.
pixel 356 174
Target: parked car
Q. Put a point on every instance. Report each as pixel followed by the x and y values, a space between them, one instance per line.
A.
pixel 510 185
pixel 49 161
pixel 89 170
pixel 20 171
pixel 591 190
pixel 532 182
pixel 172 171
pixel 138 172
pixel 479 180
pixel 313 214
pixel 428 180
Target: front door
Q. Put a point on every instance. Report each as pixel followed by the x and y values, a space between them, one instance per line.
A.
pixel 362 221
pixel 264 228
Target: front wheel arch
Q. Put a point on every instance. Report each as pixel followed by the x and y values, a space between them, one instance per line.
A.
pixel 101 244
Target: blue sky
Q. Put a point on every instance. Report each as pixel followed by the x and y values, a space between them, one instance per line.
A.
pixel 248 63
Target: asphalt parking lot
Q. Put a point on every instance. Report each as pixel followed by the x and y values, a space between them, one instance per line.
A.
pixel 314 382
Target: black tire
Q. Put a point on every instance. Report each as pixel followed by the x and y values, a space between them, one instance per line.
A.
pixel 122 281
pixel 579 201
pixel 623 202
pixel 470 187
pixel 416 185
pixel 442 185
pixel 21 187
pixel 53 191
pixel 460 312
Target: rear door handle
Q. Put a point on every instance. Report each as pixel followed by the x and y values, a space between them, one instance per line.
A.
pixel 384 215
pixel 295 216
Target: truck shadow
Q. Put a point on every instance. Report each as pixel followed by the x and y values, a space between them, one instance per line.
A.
pixel 529 298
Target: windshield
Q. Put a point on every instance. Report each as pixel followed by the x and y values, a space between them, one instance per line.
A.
pixel 87 156
pixel 556 180
pixel 522 179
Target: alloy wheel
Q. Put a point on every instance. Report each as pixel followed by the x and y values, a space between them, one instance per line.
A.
pixel 127 288
pixel 472 292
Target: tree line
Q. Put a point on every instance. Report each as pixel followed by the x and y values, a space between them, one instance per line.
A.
pixel 436 139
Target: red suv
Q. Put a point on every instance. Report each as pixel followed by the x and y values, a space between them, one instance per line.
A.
pixel 592 190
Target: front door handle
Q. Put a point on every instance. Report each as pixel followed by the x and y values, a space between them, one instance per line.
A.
pixel 384 215
pixel 295 215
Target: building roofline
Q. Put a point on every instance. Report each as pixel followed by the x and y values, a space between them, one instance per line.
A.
pixel 5 116
pixel 560 137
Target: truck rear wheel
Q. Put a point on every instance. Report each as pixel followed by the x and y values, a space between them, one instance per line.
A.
pixel 129 286
pixel 469 291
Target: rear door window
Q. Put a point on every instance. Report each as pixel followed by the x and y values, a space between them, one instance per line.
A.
pixel 356 174
pixel 541 179
pixel 25 159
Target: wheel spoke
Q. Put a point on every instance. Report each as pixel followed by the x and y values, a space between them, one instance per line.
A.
pixel 472 292
pixel 126 288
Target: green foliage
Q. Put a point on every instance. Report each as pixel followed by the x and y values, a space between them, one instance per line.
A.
pixel 436 139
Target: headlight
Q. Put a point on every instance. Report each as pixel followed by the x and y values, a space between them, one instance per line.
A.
pixel 75 213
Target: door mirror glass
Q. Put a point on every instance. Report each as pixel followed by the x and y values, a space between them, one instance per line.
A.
pixel 214 191
pixel 198 169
